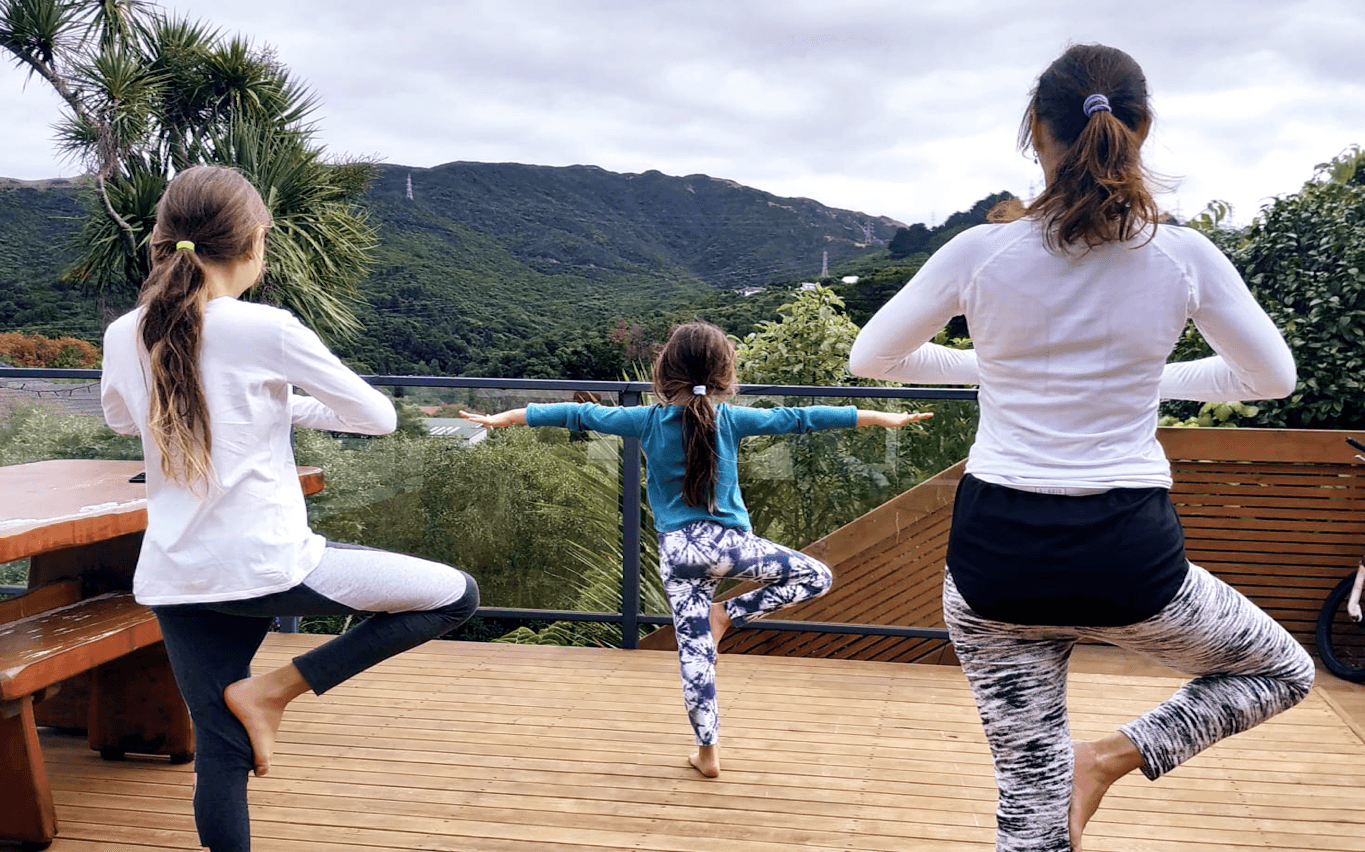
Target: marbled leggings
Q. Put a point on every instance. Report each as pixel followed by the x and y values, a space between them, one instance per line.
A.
pixel 1247 668
pixel 692 562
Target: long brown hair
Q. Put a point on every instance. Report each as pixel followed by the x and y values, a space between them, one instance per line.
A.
pixel 218 213
pixel 697 354
pixel 1100 191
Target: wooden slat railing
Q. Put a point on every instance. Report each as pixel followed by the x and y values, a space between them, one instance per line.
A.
pixel 1277 513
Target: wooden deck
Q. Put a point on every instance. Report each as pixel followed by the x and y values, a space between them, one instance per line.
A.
pixel 496 748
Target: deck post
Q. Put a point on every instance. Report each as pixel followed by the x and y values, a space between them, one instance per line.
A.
pixel 630 533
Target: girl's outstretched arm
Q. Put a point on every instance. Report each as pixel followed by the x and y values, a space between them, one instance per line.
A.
pixel 515 417
pixel 890 419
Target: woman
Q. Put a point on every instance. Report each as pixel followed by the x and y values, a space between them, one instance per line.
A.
pixel 1063 528
pixel 207 380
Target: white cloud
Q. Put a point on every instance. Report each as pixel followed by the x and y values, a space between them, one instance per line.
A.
pixel 907 110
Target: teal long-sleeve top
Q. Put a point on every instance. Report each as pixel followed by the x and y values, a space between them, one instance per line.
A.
pixel 659 428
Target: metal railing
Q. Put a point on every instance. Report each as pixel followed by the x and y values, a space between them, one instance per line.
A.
pixel 627 394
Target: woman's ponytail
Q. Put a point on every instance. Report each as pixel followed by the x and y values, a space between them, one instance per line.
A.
pixel 1091 105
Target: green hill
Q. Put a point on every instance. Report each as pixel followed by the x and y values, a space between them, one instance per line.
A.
pixel 487 256
pixel 505 269
pixel 37 220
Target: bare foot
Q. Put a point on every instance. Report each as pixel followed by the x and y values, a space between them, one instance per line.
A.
pixel 706 760
pixel 720 623
pixel 259 714
pixel 1098 766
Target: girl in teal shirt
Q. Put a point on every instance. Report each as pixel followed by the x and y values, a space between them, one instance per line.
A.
pixel 691 444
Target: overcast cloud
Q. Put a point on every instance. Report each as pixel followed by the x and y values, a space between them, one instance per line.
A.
pixel 905 109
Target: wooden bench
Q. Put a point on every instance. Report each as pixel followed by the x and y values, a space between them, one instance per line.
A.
pixel 51 634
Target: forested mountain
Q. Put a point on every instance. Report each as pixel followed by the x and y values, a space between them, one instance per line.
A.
pixel 37 222
pixel 486 256
pixel 506 269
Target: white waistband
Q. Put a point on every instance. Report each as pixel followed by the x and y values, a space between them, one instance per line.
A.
pixel 1061 491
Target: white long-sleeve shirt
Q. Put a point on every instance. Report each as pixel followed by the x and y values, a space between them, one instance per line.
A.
pixel 1070 350
pixel 246 534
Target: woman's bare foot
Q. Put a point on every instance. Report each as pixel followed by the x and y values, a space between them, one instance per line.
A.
pixel 258 703
pixel 1097 766
pixel 720 623
pixel 706 760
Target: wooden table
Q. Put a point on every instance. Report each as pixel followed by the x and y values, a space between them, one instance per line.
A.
pixel 81 518
pixel 81 653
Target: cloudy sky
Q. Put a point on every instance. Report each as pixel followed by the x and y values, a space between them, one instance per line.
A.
pixel 899 108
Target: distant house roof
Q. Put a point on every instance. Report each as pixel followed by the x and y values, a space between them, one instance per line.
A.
pixel 455 427
pixel 61 397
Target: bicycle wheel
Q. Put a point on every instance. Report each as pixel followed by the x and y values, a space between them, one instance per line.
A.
pixel 1341 639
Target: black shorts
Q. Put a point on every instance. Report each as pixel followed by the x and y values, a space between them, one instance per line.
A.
pixel 1100 560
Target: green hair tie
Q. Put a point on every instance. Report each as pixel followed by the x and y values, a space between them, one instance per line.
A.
pixel 184 245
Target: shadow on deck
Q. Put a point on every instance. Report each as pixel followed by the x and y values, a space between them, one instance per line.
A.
pixel 499 748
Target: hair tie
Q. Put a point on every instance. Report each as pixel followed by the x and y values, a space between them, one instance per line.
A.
pixel 184 245
pixel 1094 104
pixel 699 390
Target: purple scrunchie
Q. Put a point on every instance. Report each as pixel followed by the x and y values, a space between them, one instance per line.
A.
pixel 1094 104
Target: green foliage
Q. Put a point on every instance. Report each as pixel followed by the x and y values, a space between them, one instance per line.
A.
pixel 527 271
pixel 802 487
pixel 146 95
pixel 510 510
pixel 1212 223
pixel 534 517
pixel 909 240
pixel 1304 258
pixel 1347 167
pixel 14 573
pixel 37 221
pixel 321 242
pixel 37 434
pixel 597 580
pixel 1222 415
pixel 808 345
pixel 921 238
pixel 463 283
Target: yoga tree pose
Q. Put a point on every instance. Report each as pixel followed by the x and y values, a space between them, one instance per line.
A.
pixel 1063 528
pixel 207 380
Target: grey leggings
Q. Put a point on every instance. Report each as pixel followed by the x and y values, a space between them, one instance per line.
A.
pixel 1247 667
pixel 211 646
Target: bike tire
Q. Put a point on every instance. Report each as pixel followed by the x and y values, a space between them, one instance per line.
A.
pixel 1340 639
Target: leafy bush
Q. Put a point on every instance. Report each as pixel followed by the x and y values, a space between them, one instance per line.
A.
pixel 36 434
pixel 36 350
pixel 802 487
pixel 1304 259
pixel 1221 415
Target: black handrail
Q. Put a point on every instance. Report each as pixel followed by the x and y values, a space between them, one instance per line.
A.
pixel 628 393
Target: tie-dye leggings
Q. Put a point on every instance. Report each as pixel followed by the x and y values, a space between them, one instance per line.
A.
pixel 692 563
pixel 1247 668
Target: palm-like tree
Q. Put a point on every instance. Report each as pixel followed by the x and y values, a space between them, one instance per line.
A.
pixel 146 95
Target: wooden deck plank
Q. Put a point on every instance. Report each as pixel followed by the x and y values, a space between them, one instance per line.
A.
pixel 500 748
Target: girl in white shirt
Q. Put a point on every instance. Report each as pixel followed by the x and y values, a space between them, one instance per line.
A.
pixel 1062 527
pixel 207 381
